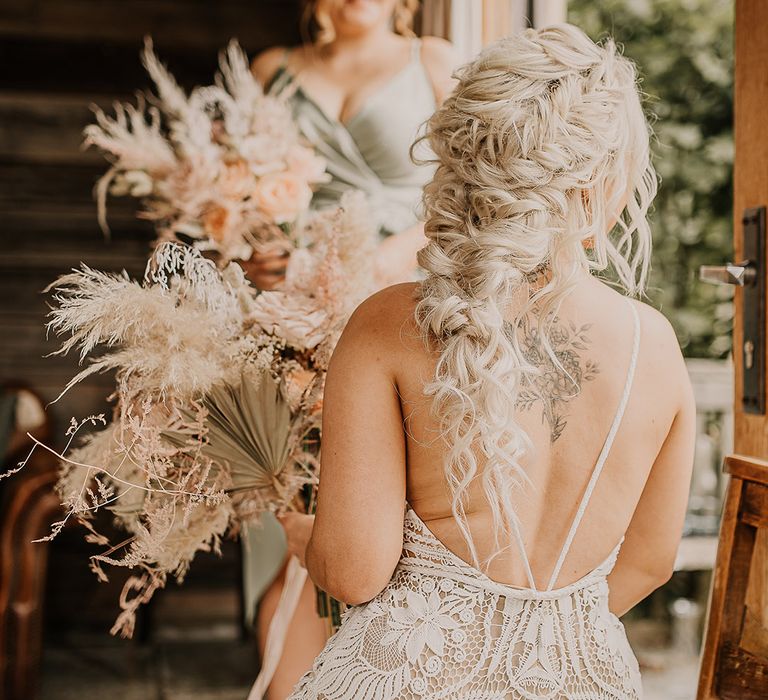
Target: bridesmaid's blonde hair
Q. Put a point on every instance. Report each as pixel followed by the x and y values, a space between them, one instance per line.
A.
pixel 541 146
pixel 318 25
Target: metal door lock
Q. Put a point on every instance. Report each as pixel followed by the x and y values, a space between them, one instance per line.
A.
pixel 750 276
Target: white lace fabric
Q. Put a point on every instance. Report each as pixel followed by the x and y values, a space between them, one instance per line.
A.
pixel 443 629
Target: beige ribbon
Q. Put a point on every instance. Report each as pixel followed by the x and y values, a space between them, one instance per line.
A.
pixel 295 576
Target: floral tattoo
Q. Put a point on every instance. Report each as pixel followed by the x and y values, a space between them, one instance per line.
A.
pixel 559 379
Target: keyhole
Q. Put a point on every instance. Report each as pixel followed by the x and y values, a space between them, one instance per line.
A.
pixel 749 354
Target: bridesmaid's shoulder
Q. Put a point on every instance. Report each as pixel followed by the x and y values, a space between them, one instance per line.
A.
pixel 265 64
pixel 437 49
pixel 440 60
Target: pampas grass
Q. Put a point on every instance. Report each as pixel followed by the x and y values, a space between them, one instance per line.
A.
pixel 217 389
pixel 192 313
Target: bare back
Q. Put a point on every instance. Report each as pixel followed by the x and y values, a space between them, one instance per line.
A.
pixel 567 419
pixel 426 621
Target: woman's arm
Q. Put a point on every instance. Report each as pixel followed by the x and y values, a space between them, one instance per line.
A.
pixel 358 531
pixel 647 557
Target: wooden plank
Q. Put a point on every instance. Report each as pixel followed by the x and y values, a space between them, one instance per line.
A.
pixel 193 24
pixel 754 505
pixel 65 185
pixel 750 182
pixel 735 675
pixel 48 128
pixel 754 635
pixel 92 68
pixel 749 468
pixel 719 592
pixel 743 676
pixel 79 223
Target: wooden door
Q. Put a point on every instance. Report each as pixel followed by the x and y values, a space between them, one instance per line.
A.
pixel 735 656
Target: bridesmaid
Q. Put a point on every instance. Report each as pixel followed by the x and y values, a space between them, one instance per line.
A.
pixel 360 91
pixel 360 88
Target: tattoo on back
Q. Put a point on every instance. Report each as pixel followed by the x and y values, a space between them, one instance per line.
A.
pixel 560 381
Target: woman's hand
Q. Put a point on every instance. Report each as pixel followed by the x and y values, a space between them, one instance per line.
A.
pixel 298 530
pixel 266 267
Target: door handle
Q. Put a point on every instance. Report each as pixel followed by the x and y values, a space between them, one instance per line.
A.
pixel 740 274
pixel 750 276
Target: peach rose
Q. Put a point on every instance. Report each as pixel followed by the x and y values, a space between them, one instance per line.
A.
pixel 217 221
pixel 282 196
pixel 306 164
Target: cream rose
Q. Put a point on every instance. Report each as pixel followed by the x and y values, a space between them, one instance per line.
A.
pixel 282 196
pixel 290 317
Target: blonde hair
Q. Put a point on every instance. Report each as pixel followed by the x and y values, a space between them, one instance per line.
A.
pixel 536 149
pixel 318 25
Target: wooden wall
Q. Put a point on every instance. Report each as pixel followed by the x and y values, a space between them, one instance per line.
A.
pixel 57 57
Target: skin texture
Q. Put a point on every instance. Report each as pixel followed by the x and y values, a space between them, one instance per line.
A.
pixel 376 421
pixel 339 77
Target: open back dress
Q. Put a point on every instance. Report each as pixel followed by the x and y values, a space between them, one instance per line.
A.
pixel 443 629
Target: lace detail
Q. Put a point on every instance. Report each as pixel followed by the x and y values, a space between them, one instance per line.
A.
pixel 442 629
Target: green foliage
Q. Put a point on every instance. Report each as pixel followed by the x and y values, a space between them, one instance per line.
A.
pixel 684 51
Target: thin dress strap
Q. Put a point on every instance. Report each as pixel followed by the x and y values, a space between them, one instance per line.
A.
pixel 603 453
pixel 416 50
pixel 523 553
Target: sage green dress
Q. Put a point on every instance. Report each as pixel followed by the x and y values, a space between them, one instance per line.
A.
pixel 369 152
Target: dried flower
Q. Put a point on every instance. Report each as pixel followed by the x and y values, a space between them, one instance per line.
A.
pixel 217 165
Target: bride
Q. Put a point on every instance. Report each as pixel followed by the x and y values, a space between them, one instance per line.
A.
pixel 507 445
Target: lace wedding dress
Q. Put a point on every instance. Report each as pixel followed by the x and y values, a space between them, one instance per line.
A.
pixel 443 629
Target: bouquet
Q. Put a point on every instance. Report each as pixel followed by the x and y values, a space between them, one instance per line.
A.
pixel 223 167
pixel 218 386
pixel 217 389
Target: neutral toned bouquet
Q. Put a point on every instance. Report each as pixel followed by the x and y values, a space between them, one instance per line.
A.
pixel 217 389
pixel 218 386
pixel 223 166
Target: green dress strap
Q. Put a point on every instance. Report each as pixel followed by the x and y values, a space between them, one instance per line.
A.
pixel 370 151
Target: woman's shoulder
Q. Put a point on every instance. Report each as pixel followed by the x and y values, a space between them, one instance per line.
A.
pixel 440 60
pixel 266 63
pixel 660 359
pixel 383 316
pixel 387 308
pixel 607 302
pixel 661 363
pixel 657 328
pixel 437 48
pixel 375 330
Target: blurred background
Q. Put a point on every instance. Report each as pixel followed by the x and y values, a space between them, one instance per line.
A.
pixel 59 57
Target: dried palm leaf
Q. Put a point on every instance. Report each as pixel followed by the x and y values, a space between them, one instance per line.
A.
pixel 249 428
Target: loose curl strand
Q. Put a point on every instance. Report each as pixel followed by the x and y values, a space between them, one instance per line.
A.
pixel 541 147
